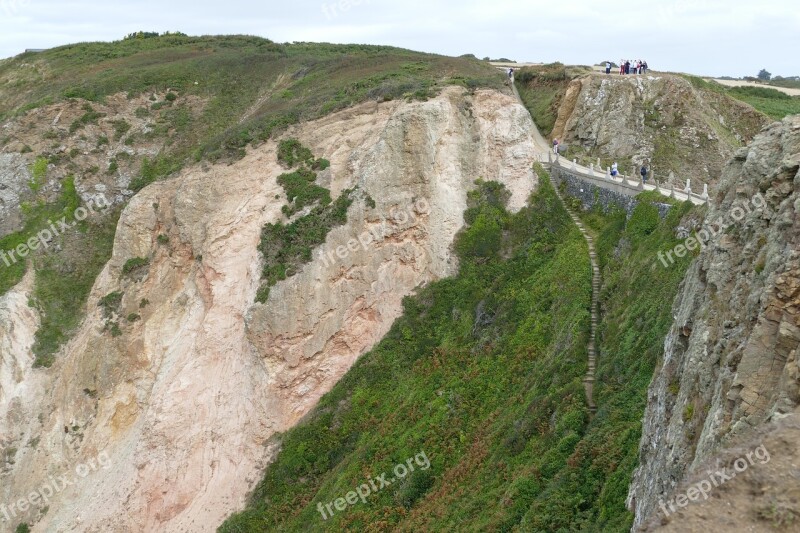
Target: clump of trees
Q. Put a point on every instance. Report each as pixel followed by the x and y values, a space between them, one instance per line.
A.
pixel 151 34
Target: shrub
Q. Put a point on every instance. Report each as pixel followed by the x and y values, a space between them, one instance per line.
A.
pixel 110 303
pixel 292 153
pixel 121 127
pixel 135 265
pixel 39 173
pixel 89 117
pixel 301 191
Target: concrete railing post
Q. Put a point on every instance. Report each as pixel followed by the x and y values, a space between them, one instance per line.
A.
pixel 705 192
pixel 591 169
pixel 608 173
pixel 688 189
pixel 574 164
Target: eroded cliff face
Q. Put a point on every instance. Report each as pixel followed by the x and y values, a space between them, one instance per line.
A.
pixel 730 363
pixel 171 421
pixel 658 120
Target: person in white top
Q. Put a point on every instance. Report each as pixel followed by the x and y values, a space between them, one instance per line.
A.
pixel 614 169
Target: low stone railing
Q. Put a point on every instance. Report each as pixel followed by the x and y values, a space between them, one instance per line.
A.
pixel 631 186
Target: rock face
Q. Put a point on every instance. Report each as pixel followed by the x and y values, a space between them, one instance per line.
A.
pixel 658 120
pixel 171 421
pixel 14 178
pixel 731 358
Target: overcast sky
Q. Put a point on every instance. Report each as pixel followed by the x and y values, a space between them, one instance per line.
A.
pixel 706 37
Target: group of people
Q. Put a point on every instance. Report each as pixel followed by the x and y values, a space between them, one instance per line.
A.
pixel 629 66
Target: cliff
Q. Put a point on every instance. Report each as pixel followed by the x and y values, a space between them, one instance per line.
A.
pixel 730 359
pixel 181 401
pixel 659 120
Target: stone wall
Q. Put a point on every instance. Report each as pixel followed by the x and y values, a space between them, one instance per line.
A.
pixel 591 195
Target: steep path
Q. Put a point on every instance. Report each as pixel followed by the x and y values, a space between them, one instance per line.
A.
pixel 588 380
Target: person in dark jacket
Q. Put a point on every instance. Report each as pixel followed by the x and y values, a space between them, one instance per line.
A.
pixel 643 172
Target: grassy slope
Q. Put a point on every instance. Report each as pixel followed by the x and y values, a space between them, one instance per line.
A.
pixel 771 102
pixel 276 83
pixel 483 373
pixel 541 89
pixel 270 84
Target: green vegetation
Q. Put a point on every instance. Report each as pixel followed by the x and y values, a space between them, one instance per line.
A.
pixel 483 372
pixel 110 303
pixel 231 73
pixel 63 281
pixel 287 247
pixel 90 117
pixel 39 174
pixel 121 127
pixel 23 528
pixel 541 89
pixel 134 265
pixel 772 102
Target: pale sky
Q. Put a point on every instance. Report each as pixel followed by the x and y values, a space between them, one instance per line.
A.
pixel 705 37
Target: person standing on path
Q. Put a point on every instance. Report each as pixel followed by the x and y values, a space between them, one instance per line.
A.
pixel 555 146
pixel 511 75
pixel 643 172
pixel 608 67
pixel 614 169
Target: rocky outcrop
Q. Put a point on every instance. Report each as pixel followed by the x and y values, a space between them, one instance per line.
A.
pixel 14 189
pixel 731 358
pixel 659 120
pixel 171 420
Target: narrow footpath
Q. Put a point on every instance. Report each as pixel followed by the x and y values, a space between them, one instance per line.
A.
pixel 588 380
pixel 542 146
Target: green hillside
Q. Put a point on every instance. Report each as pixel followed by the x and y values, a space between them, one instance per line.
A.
pixel 482 374
pixel 252 85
